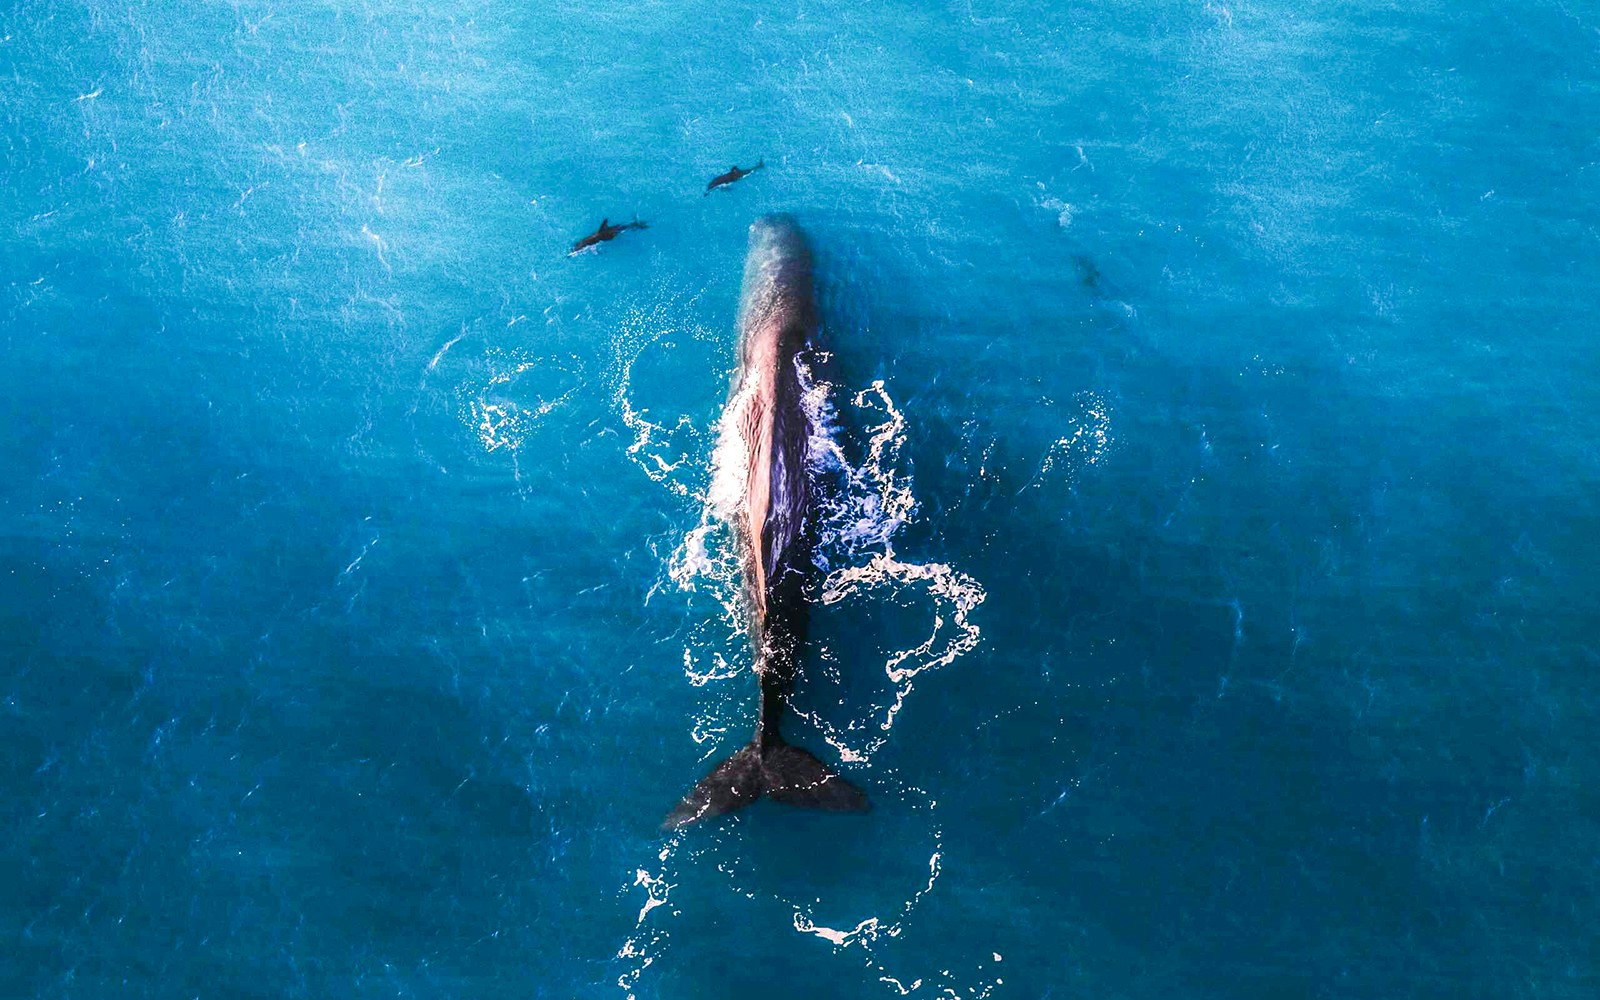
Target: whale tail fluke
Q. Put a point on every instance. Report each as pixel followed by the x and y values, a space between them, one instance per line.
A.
pixel 784 773
pixel 732 784
pixel 759 164
pixel 794 777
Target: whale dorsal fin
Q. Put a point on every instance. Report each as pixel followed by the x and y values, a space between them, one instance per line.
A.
pixel 603 223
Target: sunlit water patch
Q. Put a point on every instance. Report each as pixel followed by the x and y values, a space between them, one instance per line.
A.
pixel 1086 441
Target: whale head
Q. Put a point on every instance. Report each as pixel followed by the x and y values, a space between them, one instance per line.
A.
pixel 777 299
pixel 778 237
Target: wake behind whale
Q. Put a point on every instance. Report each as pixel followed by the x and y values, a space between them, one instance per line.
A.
pixel 767 432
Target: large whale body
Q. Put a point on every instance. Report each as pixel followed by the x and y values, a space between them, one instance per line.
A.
pixel 767 429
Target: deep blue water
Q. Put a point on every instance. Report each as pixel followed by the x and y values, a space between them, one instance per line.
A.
pixel 1211 602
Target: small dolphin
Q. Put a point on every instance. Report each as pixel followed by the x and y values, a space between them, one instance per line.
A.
pixel 604 233
pixel 1088 273
pixel 733 174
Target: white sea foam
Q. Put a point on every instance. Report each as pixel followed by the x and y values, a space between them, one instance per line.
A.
pixel 857 548
pixel 501 415
pixel 640 950
pixel 660 449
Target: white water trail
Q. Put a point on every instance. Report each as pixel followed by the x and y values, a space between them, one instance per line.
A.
pixel 498 410
pixel 641 949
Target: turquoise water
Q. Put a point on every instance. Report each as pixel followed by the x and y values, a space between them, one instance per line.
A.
pixel 1210 568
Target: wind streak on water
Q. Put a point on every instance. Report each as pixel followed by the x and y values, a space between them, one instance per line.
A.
pixel 869 504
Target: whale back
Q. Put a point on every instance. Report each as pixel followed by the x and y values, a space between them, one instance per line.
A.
pixel 777 323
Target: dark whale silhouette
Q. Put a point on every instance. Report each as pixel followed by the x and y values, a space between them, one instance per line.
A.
pixel 773 527
pixel 733 174
pixel 604 233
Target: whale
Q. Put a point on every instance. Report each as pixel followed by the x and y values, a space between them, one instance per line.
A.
pixel 733 174
pixel 767 429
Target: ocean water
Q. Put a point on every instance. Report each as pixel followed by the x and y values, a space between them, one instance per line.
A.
pixel 1209 566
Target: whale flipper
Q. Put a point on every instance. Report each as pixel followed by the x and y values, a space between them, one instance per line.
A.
pixel 784 773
